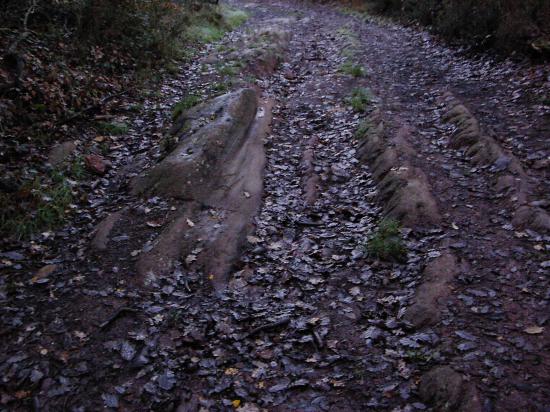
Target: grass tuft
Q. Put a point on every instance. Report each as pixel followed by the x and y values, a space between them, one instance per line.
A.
pixel 352 69
pixel 386 243
pixel 113 128
pixel 188 102
pixel 360 98
pixel 40 206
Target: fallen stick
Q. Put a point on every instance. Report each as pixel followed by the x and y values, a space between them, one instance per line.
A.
pixel 282 322
pixel 93 107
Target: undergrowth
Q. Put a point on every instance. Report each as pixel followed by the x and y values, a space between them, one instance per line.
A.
pixel 386 243
pixel 42 204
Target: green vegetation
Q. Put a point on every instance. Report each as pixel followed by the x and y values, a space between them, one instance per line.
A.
pixel 364 127
pixel 188 102
pixel 234 17
pixel 208 27
pixel 221 87
pixel 352 69
pixel 42 206
pixel 386 243
pixel 360 98
pixel 205 33
pixel 231 69
pixel 113 128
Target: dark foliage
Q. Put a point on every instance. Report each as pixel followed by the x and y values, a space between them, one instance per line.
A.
pixel 507 25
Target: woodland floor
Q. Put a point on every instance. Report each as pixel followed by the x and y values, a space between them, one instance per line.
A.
pixel 331 336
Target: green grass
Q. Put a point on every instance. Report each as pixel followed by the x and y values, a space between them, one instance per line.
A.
pixel 386 243
pixel 228 70
pixel 221 87
pixel 42 207
pixel 352 69
pixel 360 99
pixel 205 33
pixel 204 29
pixel 41 204
pixel 77 170
pixel 113 128
pixel 188 102
pixel 233 17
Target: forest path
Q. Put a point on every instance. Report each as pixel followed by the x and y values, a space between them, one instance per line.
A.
pixel 309 322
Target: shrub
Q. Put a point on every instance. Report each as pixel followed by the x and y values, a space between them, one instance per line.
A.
pixel 505 24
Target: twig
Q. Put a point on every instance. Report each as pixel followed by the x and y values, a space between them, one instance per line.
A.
pixel 281 322
pixel 119 312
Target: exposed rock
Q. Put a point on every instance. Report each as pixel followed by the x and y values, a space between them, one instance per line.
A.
pixel 447 390
pixel 533 217
pixel 436 280
pixel 61 152
pixel 232 149
pixel 192 170
pixel 97 164
pixel 403 190
pixel 103 230
pixel 406 195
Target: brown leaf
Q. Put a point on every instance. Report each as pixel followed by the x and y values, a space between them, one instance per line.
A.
pixel 44 273
pixel 534 330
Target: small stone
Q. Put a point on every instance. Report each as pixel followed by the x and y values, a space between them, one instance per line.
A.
pixel 97 164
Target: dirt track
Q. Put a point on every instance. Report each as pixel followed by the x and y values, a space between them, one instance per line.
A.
pixel 308 322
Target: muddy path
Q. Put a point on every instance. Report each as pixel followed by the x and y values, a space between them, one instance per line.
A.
pixel 249 288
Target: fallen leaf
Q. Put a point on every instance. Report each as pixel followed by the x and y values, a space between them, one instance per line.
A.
pixel 190 259
pixel 43 273
pixel 236 403
pixel 534 330
pixel 153 223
